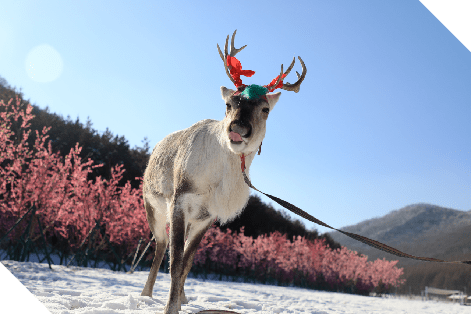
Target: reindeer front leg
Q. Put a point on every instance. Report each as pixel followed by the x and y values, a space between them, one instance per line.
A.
pixel 195 235
pixel 177 240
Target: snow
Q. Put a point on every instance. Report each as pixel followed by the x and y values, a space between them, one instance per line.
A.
pixel 74 289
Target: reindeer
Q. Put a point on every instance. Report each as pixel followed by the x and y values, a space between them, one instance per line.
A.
pixel 194 175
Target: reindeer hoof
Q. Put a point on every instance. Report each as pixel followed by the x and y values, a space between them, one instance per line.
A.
pixel 174 310
pixel 183 299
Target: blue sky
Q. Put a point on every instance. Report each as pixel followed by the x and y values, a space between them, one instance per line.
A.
pixel 381 121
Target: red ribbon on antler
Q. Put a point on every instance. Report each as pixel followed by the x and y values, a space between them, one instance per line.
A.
pixel 280 84
pixel 236 70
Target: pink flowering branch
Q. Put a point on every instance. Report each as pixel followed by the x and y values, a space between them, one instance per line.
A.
pixel 66 201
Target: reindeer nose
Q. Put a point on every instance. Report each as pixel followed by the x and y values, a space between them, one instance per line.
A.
pixel 240 127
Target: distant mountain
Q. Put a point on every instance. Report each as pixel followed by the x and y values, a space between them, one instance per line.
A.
pixel 419 229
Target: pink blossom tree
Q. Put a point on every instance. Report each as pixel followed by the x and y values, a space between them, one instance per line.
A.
pixel 67 203
pixel 300 262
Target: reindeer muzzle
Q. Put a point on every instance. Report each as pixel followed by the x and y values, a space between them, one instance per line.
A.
pixel 238 130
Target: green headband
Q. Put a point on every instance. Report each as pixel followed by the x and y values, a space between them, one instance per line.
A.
pixel 254 91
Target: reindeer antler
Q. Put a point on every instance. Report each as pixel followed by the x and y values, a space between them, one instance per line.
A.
pixel 287 86
pixel 232 54
pixel 234 69
pixel 295 87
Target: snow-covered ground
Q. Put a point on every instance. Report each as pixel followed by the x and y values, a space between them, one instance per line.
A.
pixel 98 291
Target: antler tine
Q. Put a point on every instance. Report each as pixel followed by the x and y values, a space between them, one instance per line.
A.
pixel 235 51
pixel 279 77
pixel 290 67
pixel 225 47
pixel 295 87
pixel 224 59
pixel 220 53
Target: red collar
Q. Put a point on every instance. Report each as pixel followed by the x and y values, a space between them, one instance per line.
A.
pixel 242 158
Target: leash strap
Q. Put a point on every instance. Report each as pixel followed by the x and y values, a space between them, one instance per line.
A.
pixel 378 245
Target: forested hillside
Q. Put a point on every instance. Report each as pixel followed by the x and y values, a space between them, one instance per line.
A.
pixel 421 230
pixel 109 149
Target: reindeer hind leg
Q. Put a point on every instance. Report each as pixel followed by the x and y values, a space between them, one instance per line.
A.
pixel 177 242
pixel 158 228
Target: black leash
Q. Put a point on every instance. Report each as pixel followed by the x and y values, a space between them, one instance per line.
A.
pixel 380 246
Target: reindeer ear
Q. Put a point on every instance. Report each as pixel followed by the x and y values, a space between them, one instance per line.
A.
pixel 273 99
pixel 226 92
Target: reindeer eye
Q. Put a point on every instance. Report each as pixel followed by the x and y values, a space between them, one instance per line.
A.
pixel 266 110
pixel 228 106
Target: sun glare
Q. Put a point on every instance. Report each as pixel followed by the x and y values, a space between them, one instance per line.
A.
pixel 43 64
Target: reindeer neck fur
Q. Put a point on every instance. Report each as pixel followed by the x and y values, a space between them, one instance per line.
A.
pixel 214 170
pixel 200 159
